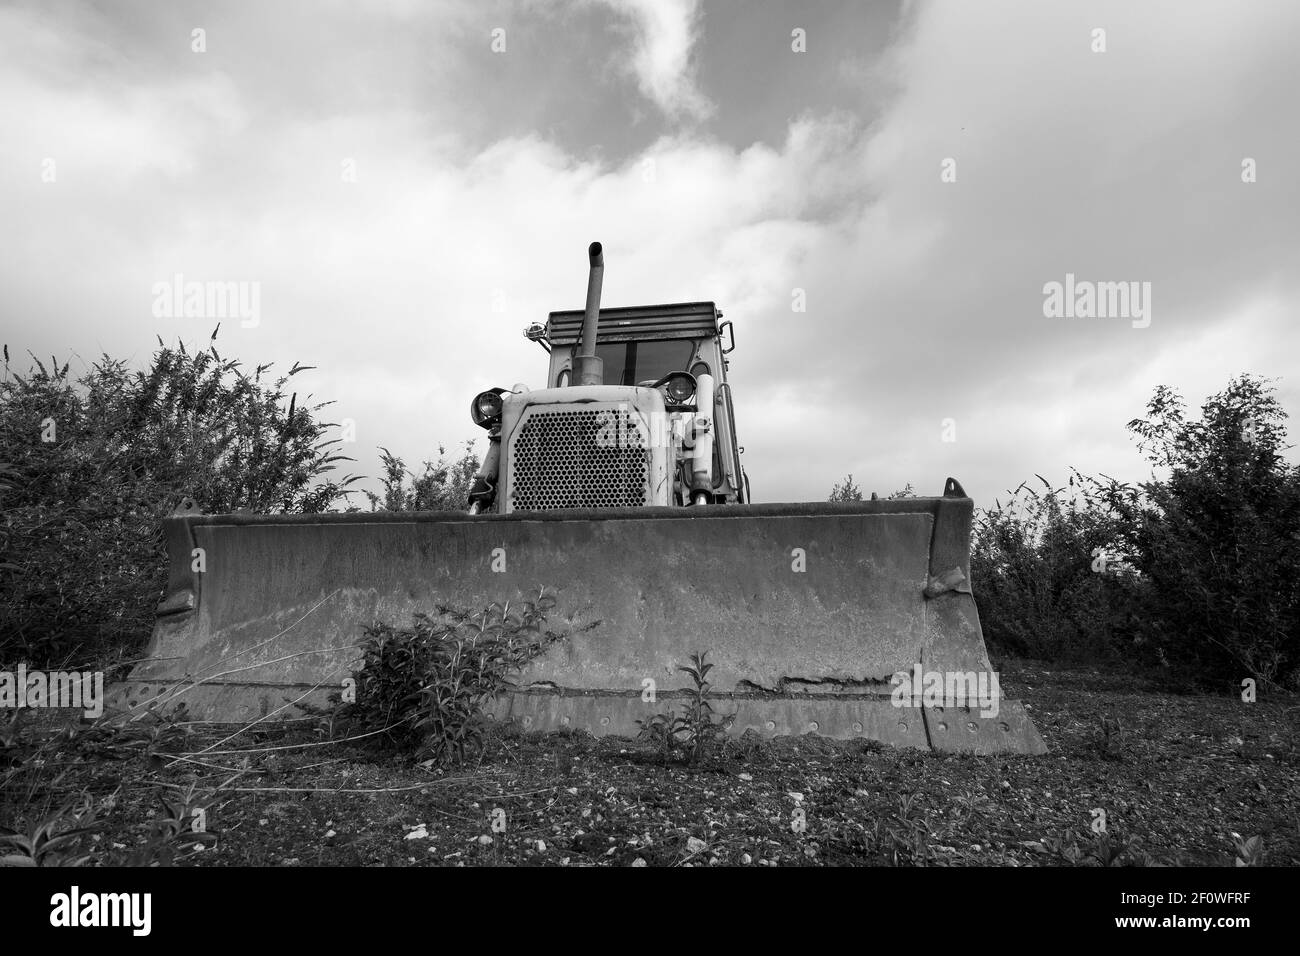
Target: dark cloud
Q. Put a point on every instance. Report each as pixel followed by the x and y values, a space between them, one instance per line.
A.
pixel 714 163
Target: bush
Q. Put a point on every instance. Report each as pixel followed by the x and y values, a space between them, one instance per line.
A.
pixel 1049 574
pixel 846 490
pixel 1218 540
pixel 440 486
pixel 94 462
pixel 1196 570
pixel 421 690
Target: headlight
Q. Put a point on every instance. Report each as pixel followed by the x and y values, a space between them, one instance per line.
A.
pixel 678 386
pixel 485 410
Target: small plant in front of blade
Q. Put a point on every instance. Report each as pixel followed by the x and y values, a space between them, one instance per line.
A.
pixel 663 731
pixel 705 729
pixel 698 731
pixel 421 690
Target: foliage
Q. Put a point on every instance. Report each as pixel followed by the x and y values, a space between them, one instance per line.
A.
pixel 421 690
pixel 1103 849
pixel 1050 581
pixel 905 833
pixel 893 837
pixel 1196 570
pixel 1249 850
pixel 699 731
pixel 93 462
pixel 440 486
pixel 1218 540
pixel 55 840
pixel 846 490
pixel 172 836
pixel 87 765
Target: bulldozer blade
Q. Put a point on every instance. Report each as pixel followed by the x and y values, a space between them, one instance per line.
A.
pixel 823 618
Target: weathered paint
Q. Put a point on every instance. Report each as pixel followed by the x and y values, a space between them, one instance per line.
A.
pixel 279 611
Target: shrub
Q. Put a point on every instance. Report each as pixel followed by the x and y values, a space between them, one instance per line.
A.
pixel 439 486
pixel 846 490
pixel 94 462
pixel 1196 569
pixel 1049 574
pixel 1219 538
pixel 421 690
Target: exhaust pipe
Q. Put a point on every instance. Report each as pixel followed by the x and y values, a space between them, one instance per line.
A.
pixel 588 368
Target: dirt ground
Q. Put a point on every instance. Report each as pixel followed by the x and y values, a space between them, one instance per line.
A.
pixel 1177 780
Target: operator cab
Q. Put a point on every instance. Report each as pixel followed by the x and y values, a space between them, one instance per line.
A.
pixel 643 346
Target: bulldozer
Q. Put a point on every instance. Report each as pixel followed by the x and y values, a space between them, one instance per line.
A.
pixel 620 487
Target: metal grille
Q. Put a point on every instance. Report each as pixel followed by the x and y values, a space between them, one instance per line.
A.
pixel 578 458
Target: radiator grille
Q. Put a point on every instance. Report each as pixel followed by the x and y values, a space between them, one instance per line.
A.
pixel 578 458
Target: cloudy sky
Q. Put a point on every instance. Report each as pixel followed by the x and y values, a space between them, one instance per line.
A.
pixel 411 183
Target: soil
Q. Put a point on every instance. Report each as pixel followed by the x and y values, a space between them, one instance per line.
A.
pixel 1180 780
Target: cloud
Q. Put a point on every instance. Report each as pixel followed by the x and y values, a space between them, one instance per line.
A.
pixel 409 288
pixel 665 33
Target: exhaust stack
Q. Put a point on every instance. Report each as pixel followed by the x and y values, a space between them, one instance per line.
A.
pixel 588 368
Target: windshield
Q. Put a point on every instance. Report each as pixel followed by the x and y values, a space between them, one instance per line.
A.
pixel 630 363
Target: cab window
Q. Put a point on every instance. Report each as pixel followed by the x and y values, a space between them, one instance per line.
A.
pixel 630 363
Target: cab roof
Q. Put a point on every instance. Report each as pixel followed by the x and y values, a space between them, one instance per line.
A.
pixel 678 320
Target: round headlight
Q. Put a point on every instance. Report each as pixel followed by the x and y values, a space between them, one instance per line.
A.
pixel 485 410
pixel 679 387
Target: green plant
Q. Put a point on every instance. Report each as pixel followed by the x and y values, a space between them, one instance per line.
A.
pixel 94 461
pixel 152 734
pixel 1217 535
pixel 699 730
pixel 439 486
pixel 54 840
pixel 705 729
pixel 846 490
pixel 1104 849
pixel 173 835
pixel 904 834
pixel 1049 574
pixel 662 731
pixel 1250 851
pixel 422 689
pixel 894 837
